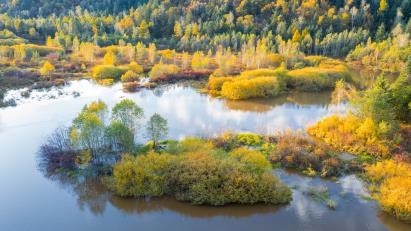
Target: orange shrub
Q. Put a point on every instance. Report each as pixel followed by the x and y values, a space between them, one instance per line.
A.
pixel 298 151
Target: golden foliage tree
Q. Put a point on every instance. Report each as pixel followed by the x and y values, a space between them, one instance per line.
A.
pixel 47 69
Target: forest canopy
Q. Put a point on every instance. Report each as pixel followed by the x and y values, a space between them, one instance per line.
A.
pixel 330 28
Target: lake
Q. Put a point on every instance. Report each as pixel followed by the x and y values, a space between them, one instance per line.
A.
pixel 31 200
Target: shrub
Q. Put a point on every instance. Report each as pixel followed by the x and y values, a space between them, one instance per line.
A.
pixel 386 169
pixel 314 60
pixel 12 41
pixel 160 71
pixel 6 34
pixel 226 141
pixel 204 179
pixel 298 151
pixel 135 68
pixel 141 176
pixel 259 73
pixel 197 177
pixel 108 71
pixel 395 197
pixel 57 153
pixel 254 160
pixel 350 134
pixel 275 59
pixel 393 180
pixel 193 144
pixel 249 139
pixel 199 61
pixel 47 69
pixel 41 50
pixel 317 78
pixel 215 83
pixel 130 76
pixel 253 88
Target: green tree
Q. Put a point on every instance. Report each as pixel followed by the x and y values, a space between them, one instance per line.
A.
pixel 87 131
pixel 120 137
pixel 156 129
pixel 377 104
pixel 380 34
pixel 401 89
pixel 128 113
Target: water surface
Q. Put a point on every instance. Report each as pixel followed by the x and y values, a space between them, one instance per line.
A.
pixel 32 201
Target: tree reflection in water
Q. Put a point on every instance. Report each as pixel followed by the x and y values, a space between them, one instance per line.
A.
pixel 297 99
pixel 93 195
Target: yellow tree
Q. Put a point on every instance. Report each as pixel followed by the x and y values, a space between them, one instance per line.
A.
pixel 49 41
pixel 75 47
pixel 185 60
pixel 143 31
pixel 194 29
pixel 109 58
pixel 178 31
pixel 47 70
pixel 20 53
pixel 152 53
pixel 141 52
pixel 383 6
pixel 296 36
pixel 87 50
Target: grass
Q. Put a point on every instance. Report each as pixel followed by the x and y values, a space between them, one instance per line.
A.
pixel 321 194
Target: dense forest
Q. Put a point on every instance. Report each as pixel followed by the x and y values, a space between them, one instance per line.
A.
pixel 330 28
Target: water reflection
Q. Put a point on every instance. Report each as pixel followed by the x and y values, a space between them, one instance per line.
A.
pixel 303 213
pixel 139 206
pixel 92 195
pixel 298 100
pixel 34 201
pixel 192 114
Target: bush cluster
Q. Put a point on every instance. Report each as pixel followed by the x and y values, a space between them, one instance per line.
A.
pixel 161 71
pixel 100 72
pixel 272 82
pixel 216 83
pixel 252 88
pixel 200 176
pixel 130 76
pixel 350 134
pixel 317 78
pixel 298 151
pixel 393 180
pixel 249 139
